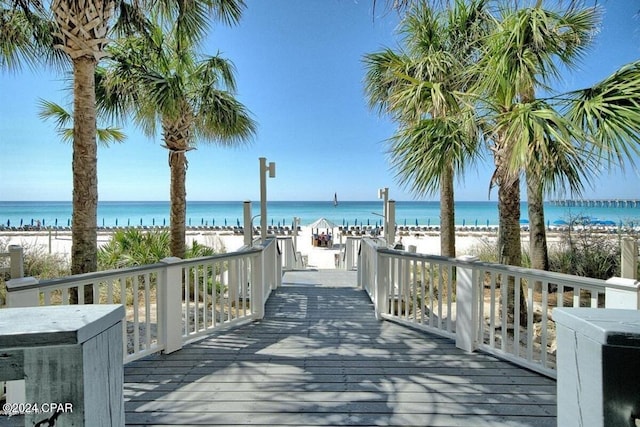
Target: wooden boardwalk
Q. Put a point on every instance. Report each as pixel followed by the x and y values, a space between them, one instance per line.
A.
pixel 320 357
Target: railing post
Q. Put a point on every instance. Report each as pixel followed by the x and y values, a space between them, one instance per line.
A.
pixel 467 309
pixel 257 286
pixel 598 379
pixel 170 291
pixel 626 294
pixel 349 252
pixel 21 292
pixel 629 258
pixel 16 260
pixel 381 286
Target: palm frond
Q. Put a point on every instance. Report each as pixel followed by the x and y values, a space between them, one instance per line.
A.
pixel 609 113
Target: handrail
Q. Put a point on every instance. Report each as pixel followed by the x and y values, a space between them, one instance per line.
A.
pixel 170 302
pixel 504 310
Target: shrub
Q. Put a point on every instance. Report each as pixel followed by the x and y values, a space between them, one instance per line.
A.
pixel 132 246
pixel 587 254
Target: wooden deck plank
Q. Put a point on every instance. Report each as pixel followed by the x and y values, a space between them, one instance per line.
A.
pixel 321 358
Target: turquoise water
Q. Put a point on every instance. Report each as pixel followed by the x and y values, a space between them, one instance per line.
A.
pixel 282 213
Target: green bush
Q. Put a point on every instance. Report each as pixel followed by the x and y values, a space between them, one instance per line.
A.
pixel 587 254
pixel 131 247
pixel 580 253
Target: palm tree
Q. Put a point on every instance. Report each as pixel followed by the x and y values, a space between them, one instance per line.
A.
pixel 522 55
pixel 556 160
pixel 165 83
pixel 420 89
pixel 81 30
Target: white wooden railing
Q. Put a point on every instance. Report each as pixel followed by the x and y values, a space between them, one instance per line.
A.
pixel 172 302
pixel 475 303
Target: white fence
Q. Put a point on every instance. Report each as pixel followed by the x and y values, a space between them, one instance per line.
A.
pixel 500 309
pixel 172 302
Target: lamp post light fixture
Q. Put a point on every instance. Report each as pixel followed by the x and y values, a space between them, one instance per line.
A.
pixel 271 168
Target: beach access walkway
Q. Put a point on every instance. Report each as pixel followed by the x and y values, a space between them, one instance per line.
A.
pixel 320 357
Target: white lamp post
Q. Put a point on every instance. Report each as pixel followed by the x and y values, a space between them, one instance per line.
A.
pixel 383 193
pixel 263 194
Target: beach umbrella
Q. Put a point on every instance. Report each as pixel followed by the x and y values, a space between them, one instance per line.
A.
pixel 238 221
pixel 608 223
pixel 164 221
pixel 128 222
pixel 405 222
pixel 116 222
pixel 428 222
pixel 141 221
pixel 56 223
pixel 202 221
pixel 153 221
pixel 368 222
pixel 103 222
pixel 463 222
pixel 8 223
pixel 476 224
pixel 416 222
pixel 213 221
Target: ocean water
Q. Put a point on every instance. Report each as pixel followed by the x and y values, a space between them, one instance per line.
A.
pixel 346 213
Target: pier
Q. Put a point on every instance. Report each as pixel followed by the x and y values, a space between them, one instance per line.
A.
pixel 598 203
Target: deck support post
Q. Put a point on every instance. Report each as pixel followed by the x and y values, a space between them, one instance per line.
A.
pixel 598 377
pixel 257 286
pixel 16 260
pixel 629 258
pixel 467 305
pixel 71 359
pixel 382 286
pixel 170 292
pixel 21 292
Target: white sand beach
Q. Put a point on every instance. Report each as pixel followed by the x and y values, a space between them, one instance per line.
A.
pixel 59 242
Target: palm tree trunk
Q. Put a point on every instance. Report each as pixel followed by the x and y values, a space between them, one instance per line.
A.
pixel 538 250
pixel 177 162
pixel 447 214
pixel 509 242
pixel 84 249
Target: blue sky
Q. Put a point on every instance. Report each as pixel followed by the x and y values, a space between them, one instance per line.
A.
pixel 300 73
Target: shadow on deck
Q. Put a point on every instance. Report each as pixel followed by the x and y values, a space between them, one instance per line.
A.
pixel 319 357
